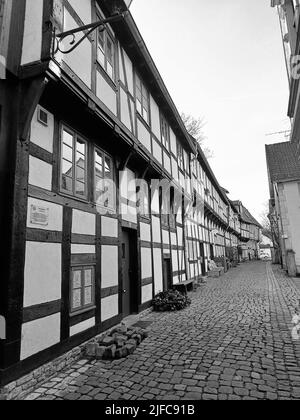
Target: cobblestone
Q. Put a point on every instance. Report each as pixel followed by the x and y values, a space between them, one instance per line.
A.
pixel 234 342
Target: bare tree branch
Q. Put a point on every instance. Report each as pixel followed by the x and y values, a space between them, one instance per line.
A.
pixel 195 128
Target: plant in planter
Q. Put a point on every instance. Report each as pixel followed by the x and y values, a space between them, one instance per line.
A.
pixel 170 301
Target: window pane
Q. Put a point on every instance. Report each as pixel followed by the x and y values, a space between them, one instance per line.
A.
pixel 145 114
pixel 67 153
pixel 67 183
pixel 110 70
pixel 101 57
pixel 88 278
pixel 67 138
pixel 110 51
pixel 76 279
pixel 76 302
pixel 80 188
pixel 139 107
pixel 101 39
pixel 80 174
pixel 108 168
pixel 67 168
pixel 88 300
pixel 80 146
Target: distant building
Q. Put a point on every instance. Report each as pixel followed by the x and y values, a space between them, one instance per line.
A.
pixel 266 247
pixel 284 180
pixel 250 233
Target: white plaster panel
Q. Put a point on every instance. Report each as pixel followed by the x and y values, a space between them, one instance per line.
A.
pixel 144 135
pixel 109 227
pixel 32 41
pixel 158 275
pixel 125 113
pixel 157 151
pixel 129 213
pixel 155 118
pixel 40 173
pixel 147 293
pixel 109 307
pixel 166 237
pixel 175 260
pixel 173 142
pixel 106 93
pixel 175 280
pixel 292 195
pixel 110 268
pixel 79 249
pixel 40 134
pixel 146 257
pixel 173 238
pixel 167 163
pixel 145 232
pixel 83 223
pixel 156 235
pixel 83 326
pixel 155 201
pixel 80 60
pixel 83 8
pixel 42 275
pixel 55 220
pixel 180 236
pixel 39 335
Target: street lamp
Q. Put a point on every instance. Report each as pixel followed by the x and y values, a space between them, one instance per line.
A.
pixel 120 9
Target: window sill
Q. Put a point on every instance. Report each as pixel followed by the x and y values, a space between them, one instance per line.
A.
pixel 83 311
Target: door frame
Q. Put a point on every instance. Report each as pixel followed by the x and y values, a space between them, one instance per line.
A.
pixel 134 267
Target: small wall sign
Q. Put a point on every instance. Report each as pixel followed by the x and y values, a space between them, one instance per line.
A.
pixel 39 215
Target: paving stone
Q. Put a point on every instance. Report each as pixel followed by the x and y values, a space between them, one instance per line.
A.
pixel 234 342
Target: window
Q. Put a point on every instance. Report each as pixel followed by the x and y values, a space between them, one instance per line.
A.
pixel 74 164
pixel 106 52
pixel 42 116
pixel 165 133
pixel 82 288
pixel 180 156
pixel 104 193
pixel 142 99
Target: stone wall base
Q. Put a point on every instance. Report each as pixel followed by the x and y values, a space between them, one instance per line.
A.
pixel 27 384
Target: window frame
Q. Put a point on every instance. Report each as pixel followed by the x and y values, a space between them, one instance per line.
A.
pixel 142 88
pixel 163 122
pixel 106 34
pixel 83 308
pixel 104 156
pixel 75 135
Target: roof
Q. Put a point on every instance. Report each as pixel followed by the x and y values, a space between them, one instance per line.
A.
pixel 245 214
pixel 283 163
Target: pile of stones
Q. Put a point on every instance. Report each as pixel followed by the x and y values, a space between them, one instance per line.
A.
pixel 117 344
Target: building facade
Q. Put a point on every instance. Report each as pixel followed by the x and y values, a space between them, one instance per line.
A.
pixel 284 179
pixel 283 158
pixel 108 200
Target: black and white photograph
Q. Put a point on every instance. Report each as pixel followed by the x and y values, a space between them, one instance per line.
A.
pixel 150 203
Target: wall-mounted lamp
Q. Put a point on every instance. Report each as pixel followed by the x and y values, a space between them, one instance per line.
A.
pixel 119 10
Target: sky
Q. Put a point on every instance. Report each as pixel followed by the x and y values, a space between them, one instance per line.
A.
pixel 223 61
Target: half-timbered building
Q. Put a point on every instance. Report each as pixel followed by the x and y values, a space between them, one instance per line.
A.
pixel 107 200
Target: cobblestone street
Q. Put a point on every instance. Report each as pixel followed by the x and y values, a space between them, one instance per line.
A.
pixel 234 342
